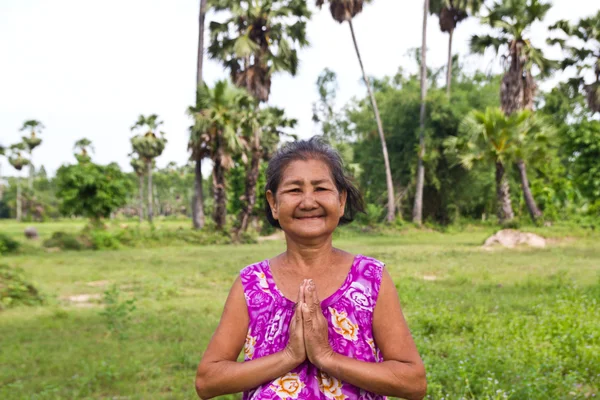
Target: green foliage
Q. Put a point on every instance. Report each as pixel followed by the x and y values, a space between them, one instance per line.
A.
pixel 64 241
pixel 91 190
pixel 117 312
pixel 8 244
pixel 582 142
pixel 15 290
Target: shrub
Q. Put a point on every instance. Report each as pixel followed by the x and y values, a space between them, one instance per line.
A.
pixel 65 241
pixel 8 244
pixel 103 240
pixel 15 290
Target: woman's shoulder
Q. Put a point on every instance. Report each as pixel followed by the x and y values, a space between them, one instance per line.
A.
pixel 254 268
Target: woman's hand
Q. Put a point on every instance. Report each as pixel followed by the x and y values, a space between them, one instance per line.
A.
pixel 316 334
pixel 295 347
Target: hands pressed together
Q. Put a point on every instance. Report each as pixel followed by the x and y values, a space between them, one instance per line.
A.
pixel 309 336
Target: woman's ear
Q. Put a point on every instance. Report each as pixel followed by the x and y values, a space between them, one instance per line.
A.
pixel 272 204
pixel 343 198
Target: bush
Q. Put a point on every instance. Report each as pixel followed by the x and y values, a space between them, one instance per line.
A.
pixel 64 241
pixel 103 240
pixel 15 290
pixel 8 244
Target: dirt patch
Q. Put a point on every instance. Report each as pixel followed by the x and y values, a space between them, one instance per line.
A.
pixel 98 283
pixel 83 300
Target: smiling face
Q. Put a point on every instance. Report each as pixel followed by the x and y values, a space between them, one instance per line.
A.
pixel 307 203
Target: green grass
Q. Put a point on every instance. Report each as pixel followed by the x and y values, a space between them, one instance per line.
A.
pixel 525 323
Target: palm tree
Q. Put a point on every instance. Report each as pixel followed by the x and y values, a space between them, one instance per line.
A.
pixel 32 142
pixel 260 38
pixel 583 53
pixel 198 198
pixel 532 141
pixel 2 153
pixel 148 146
pixel 511 20
pixel 418 206
pixel 345 11
pixel 139 167
pixel 451 13
pixel 83 145
pixel 490 137
pixel 18 162
pixel 216 134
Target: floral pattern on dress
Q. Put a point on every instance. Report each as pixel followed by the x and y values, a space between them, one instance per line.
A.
pixel 288 386
pixel 349 313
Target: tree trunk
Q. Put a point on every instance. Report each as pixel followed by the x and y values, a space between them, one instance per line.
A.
pixel 141 192
pixel 418 206
pixel 391 212
pixel 251 179
pixel 149 169
pixel 505 211
pixel 18 199
pixel 534 211
pixel 449 68
pixel 198 198
pixel 220 213
pixel 30 170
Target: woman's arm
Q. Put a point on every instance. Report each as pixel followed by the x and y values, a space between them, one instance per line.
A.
pixel 401 374
pixel 219 373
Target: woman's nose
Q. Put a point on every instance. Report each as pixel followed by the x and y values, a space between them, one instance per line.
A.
pixel 308 201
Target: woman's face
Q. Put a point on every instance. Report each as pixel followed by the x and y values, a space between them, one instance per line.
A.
pixel 307 203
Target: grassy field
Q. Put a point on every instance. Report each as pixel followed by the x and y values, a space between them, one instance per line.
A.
pixel 519 324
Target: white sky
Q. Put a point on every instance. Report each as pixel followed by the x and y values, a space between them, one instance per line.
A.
pixel 89 68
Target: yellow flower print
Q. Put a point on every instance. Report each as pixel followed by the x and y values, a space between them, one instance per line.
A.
pixel 343 325
pixel 331 387
pixel 249 346
pixel 262 281
pixel 288 386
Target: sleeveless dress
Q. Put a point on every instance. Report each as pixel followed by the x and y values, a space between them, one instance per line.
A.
pixel 349 312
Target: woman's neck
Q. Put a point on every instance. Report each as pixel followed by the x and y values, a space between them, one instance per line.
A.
pixel 306 257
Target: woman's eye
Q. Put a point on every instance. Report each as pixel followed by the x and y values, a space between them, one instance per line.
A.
pixel 320 189
pixel 294 190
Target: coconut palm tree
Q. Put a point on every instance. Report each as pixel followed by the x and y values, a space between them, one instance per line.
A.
pixel 148 146
pixel 490 137
pixel 418 206
pixel 450 14
pixel 83 145
pixel 17 160
pixel 511 20
pixel 260 38
pixel 198 198
pixel 139 167
pixel 344 11
pixel 583 52
pixel 34 127
pixel 216 134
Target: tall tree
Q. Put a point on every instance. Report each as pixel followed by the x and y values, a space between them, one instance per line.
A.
pixel 216 134
pixel 83 145
pixel 17 160
pixel 32 141
pixel 451 13
pixel 418 206
pixel 511 20
pixel 139 167
pixel 260 38
pixel 2 153
pixel 490 137
pixel 148 146
pixel 582 46
pixel 344 11
pixel 198 198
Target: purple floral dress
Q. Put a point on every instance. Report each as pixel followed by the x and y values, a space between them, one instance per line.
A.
pixel 349 312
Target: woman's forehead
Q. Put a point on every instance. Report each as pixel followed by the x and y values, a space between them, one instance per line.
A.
pixel 306 170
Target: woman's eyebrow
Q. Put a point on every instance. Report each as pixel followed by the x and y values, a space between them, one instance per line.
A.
pixel 301 182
